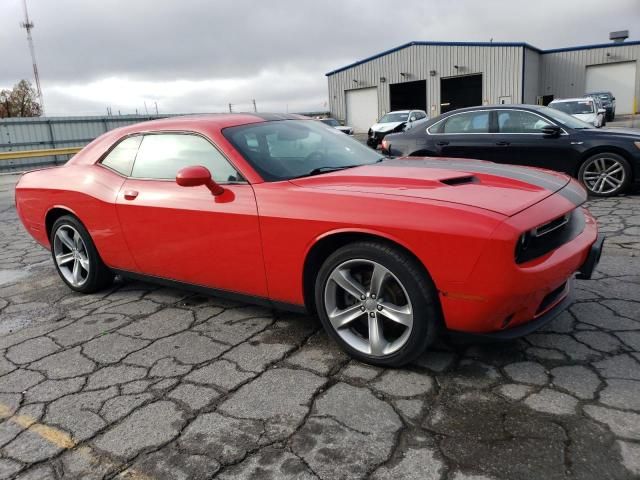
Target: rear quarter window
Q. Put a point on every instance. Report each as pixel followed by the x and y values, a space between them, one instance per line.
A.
pixel 122 156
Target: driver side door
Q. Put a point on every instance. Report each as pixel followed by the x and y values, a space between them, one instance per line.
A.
pixel 186 233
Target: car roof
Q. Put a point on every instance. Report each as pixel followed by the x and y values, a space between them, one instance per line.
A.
pixel 502 106
pixel 219 120
pixel 577 99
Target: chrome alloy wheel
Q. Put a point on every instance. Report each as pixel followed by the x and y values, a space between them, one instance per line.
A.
pixel 368 307
pixel 603 175
pixel 71 255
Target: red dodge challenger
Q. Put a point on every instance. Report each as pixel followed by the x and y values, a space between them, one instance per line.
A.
pixel 287 212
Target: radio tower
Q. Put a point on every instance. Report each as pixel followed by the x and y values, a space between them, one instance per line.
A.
pixel 28 25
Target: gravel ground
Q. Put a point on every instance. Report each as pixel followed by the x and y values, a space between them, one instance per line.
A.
pixel 141 382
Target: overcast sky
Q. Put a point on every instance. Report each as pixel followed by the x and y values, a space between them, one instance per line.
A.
pixel 200 55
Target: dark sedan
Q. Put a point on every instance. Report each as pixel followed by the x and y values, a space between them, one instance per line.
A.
pixel 606 161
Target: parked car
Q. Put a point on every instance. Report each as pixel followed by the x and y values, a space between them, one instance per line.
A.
pixel 608 103
pixel 332 122
pixel 397 121
pixel 587 109
pixel 279 210
pixel 606 161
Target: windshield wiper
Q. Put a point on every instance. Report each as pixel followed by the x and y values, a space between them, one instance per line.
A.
pixel 319 170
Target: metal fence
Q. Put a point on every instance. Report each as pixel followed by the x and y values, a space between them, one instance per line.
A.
pixel 18 134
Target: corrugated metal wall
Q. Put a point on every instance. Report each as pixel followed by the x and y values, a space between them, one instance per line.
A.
pixel 531 76
pixel 563 73
pixel 501 67
pixel 18 134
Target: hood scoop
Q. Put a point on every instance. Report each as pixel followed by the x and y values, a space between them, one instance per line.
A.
pixel 460 180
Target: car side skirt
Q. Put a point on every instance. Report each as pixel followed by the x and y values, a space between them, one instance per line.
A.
pixel 213 292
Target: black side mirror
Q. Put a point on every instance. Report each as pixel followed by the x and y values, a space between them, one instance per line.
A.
pixel 551 131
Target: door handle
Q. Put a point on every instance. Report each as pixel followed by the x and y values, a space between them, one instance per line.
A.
pixel 442 144
pixel 503 144
pixel 130 194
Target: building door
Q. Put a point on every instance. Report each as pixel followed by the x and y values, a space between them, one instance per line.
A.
pixel 362 108
pixel 460 92
pixel 617 78
pixel 408 95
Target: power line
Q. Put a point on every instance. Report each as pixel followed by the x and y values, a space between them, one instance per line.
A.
pixel 28 26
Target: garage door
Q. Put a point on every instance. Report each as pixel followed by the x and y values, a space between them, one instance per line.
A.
pixel 618 78
pixel 362 108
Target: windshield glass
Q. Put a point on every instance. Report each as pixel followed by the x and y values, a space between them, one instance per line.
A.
pixel 332 122
pixel 394 117
pixel 564 118
pixel 281 150
pixel 574 108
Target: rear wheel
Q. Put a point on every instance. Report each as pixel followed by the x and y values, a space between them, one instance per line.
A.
pixel 377 303
pixel 605 174
pixel 76 258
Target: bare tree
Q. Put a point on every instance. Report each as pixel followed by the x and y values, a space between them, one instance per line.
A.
pixel 21 101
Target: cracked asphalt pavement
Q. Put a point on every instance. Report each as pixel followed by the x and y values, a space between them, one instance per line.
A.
pixel 143 382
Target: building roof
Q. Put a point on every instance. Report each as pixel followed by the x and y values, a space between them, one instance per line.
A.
pixel 482 44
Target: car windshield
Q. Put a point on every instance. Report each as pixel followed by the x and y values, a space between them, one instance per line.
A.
pixel 580 107
pixel 332 122
pixel 602 96
pixel 564 118
pixel 285 149
pixel 394 117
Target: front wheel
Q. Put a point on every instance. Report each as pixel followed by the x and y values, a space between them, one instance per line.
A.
pixel 377 303
pixel 605 174
pixel 76 258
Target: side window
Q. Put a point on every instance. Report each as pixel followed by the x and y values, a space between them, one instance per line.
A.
pixel 122 156
pixel 469 122
pixel 518 121
pixel 162 155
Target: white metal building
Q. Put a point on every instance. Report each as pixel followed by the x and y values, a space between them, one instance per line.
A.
pixel 442 76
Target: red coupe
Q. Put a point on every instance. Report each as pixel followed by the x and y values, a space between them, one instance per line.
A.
pixel 288 212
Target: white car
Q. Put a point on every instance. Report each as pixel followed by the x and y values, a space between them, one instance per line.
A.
pixel 332 122
pixel 393 122
pixel 586 109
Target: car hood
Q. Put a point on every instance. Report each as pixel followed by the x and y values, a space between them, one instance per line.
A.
pixel 586 117
pixel 385 127
pixel 630 133
pixel 503 189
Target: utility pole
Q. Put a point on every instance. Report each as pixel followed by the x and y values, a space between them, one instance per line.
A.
pixel 230 109
pixel 255 109
pixel 28 25
pixel 156 104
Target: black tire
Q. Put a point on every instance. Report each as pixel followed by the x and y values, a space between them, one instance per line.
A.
pixel 99 275
pixel 609 157
pixel 427 317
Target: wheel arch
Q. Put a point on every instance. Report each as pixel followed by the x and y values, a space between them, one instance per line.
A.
pixel 54 213
pixel 330 242
pixel 603 149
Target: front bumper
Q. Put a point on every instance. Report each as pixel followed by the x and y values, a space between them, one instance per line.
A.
pixel 501 296
pixel 587 268
pixel 375 138
pixel 525 328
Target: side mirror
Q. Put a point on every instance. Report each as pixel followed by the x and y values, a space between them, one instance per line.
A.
pixel 602 110
pixel 551 131
pixel 412 119
pixel 196 176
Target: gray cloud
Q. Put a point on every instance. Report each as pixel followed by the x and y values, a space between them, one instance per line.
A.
pixel 228 50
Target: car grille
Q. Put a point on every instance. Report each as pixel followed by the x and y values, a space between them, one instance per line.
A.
pixel 549 236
